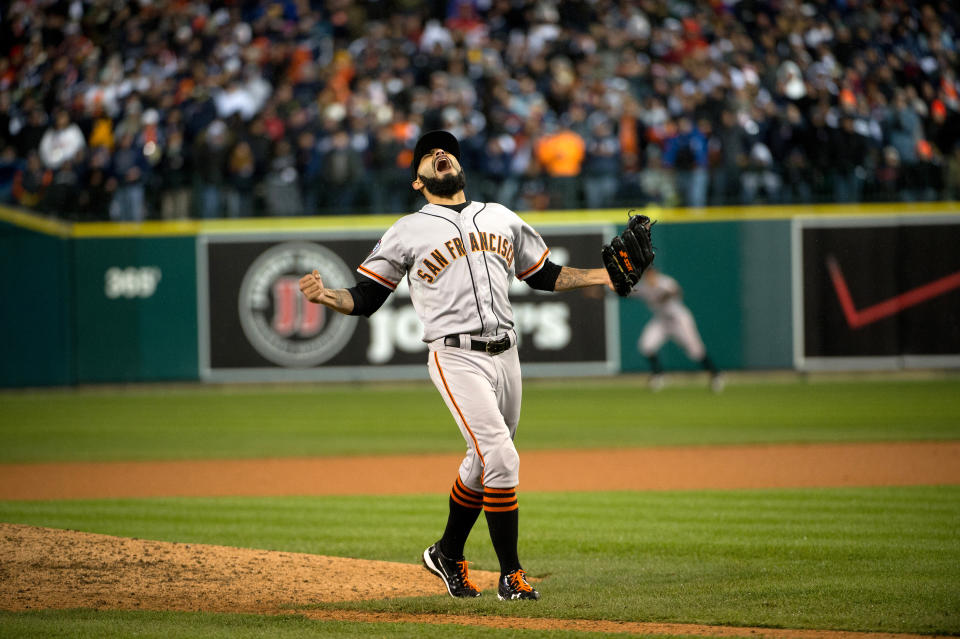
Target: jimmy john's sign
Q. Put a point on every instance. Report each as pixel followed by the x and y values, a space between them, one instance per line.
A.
pixel 256 326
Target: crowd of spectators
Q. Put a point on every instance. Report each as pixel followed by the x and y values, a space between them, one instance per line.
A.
pixel 171 109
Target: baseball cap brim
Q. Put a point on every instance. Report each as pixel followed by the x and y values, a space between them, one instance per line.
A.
pixel 434 140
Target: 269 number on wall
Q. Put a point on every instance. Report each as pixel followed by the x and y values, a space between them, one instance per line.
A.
pixel 131 282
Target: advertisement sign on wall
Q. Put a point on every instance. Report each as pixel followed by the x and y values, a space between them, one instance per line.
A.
pixel 255 324
pixel 877 294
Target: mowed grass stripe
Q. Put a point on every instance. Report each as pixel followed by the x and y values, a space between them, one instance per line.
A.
pixel 336 419
pixel 123 624
pixel 88 624
pixel 865 559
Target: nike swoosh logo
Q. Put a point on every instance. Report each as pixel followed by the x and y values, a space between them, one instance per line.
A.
pixel 860 318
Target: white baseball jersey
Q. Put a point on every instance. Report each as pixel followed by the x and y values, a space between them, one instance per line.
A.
pixel 459 266
pixel 671 317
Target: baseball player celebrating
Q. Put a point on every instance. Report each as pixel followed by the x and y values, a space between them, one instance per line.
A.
pixel 671 320
pixel 459 258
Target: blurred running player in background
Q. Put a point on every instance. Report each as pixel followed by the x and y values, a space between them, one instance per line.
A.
pixel 671 320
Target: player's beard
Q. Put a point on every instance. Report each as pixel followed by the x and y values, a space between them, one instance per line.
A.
pixel 447 186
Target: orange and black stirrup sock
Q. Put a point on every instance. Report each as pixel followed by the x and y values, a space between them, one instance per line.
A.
pixel 465 506
pixel 501 510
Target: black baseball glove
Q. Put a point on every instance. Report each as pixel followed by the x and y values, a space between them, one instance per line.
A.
pixel 629 254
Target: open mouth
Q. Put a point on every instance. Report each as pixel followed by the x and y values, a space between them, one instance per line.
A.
pixel 442 165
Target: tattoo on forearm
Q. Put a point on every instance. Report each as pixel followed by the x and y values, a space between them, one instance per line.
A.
pixel 338 298
pixel 573 278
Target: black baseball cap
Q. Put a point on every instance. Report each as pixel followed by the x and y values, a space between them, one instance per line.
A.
pixel 434 140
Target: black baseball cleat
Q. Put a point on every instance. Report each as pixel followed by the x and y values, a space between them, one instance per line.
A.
pixel 453 573
pixel 514 585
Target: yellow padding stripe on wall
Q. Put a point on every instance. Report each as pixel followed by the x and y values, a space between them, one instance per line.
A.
pixel 60 228
pixel 35 222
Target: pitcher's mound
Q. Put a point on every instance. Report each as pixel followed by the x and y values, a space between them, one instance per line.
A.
pixel 48 568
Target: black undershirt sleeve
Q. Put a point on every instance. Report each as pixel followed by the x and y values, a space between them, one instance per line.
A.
pixel 546 278
pixel 368 296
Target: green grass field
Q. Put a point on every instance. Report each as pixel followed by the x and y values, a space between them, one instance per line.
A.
pixel 338 419
pixel 869 559
pixel 856 559
pixel 81 624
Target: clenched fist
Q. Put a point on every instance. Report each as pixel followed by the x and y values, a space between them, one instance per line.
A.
pixel 311 285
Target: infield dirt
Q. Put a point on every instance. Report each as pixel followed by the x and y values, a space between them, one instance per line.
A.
pixel 44 568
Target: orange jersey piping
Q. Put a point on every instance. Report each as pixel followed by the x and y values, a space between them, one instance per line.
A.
pixel 379 278
pixel 476 446
pixel 535 266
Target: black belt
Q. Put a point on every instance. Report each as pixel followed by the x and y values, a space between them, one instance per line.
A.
pixel 493 348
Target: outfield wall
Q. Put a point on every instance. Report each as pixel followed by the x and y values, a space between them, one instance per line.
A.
pixel 216 300
pixel 36 302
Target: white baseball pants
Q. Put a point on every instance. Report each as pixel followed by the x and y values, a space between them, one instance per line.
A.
pixel 679 326
pixel 483 393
